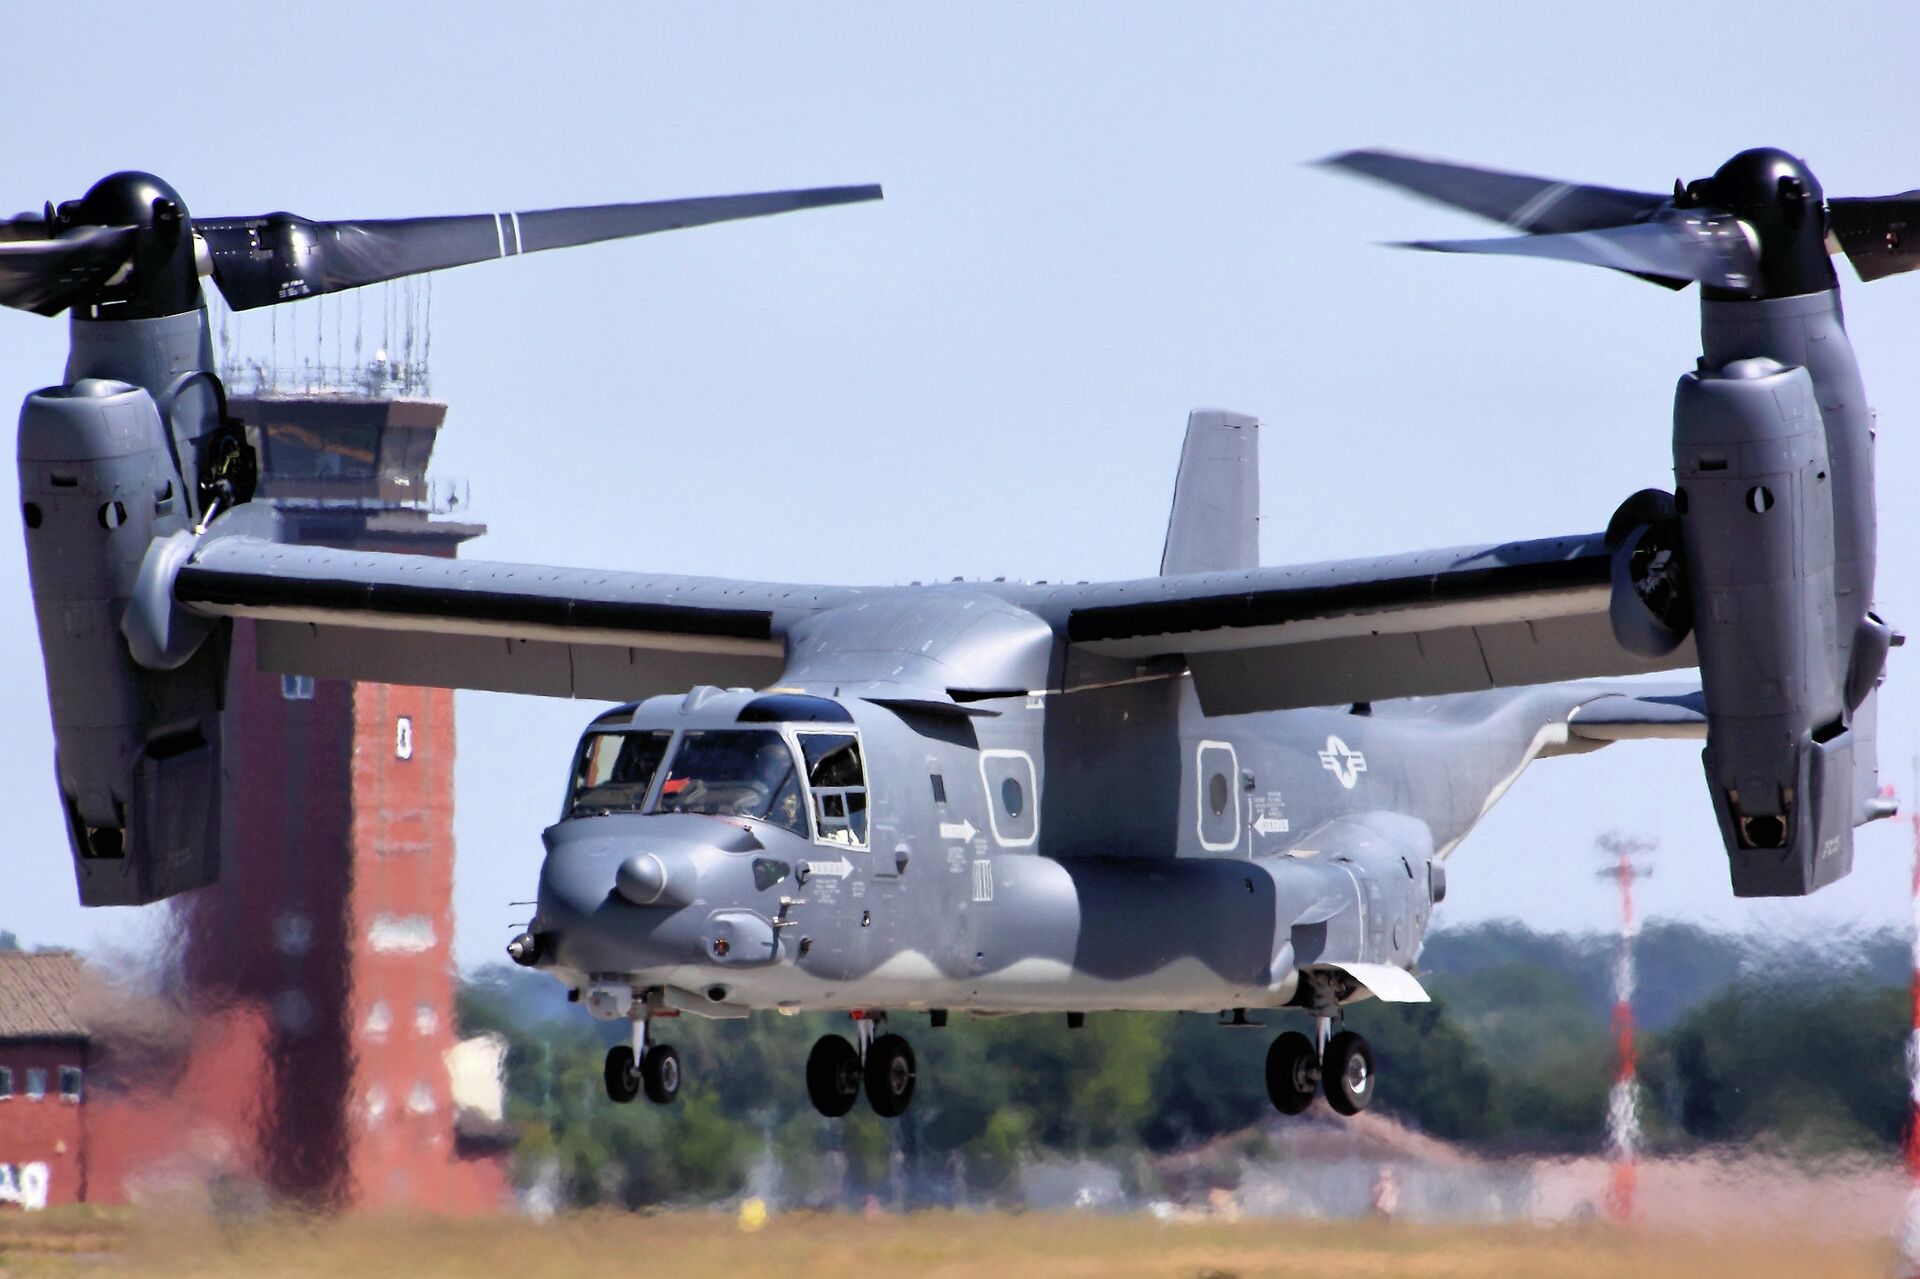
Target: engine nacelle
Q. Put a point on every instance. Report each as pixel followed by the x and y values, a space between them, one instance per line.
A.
pixel 1755 504
pixel 137 745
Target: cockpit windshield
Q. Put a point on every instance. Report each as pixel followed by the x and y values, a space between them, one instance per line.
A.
pixel 734 773
pixel 614 772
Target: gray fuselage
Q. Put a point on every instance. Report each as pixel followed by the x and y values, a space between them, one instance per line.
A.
pixel 1103 848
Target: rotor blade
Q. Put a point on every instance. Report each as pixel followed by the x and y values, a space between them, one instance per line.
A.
pixel 1678 247
pixel 1525 203
pixel 280 257
pixel 48 276
pixel 1879 234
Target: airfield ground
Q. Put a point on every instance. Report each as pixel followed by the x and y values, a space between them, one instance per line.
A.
pixel 1057 1246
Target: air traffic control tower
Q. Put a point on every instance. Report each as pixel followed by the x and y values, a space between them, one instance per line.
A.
pixel 320 966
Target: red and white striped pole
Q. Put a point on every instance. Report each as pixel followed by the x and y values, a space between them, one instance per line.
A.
pixel 1623 1101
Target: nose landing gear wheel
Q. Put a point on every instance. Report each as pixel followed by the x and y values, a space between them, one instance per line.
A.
pixel 1347 1073
pixel 623 1081
pixel 890 1076
pixel 660 1073
pixel 833 1076
pixel 1293 1073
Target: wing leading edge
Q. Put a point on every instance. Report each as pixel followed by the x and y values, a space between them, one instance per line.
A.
pixel 1422 624
pixel 555 632
pixel 1445 621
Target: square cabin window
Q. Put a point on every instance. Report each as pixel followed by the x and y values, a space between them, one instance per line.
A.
pixel 839 785
pixel 70 1083
pixel 36 1084
pixel 6 1082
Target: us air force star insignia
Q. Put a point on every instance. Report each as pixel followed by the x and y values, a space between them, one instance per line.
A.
pixel 1343 762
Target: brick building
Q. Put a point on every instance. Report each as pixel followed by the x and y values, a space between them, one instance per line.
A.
pixel 43 1067
pixel 333 916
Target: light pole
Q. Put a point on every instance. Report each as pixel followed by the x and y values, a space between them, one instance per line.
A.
pixel 1623 1100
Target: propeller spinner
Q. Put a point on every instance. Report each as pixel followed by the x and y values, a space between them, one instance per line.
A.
pixel 128 250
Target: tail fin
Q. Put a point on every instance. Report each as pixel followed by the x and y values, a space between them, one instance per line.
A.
pixel 1216 497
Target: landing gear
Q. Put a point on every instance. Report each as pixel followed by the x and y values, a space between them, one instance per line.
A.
pixel 637 1067
pixel 884 1064
pixel 833 1076
pixel 623 1080
pixel 1347 1073
pixel 1293 1073
pixel 1342 1067
pixel 890 1076
pixel 660 1073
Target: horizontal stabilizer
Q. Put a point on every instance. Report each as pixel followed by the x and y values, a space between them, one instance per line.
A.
pixel 1622 718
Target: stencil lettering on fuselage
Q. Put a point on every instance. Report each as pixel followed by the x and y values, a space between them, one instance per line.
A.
pixel 1267 814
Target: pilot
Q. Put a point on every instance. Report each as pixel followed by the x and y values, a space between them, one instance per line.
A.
pixel 774 778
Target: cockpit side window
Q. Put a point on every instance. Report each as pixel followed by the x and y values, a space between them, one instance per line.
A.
pixel 614 772
pixel 839 785
pixel 734 773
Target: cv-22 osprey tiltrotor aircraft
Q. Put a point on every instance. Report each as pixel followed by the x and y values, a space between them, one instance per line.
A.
pixel 1227 787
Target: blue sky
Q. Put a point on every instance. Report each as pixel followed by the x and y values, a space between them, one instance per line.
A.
pixel 1097 218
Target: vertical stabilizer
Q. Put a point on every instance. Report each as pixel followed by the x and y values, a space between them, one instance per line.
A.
pixel 1216 497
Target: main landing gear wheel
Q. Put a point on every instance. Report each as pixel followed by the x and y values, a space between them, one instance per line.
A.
pixel 890 1076
pixel 1293 1073
pixel 1347 1073
pixel 833 1076
pixel 660 1073
pixel 623 1081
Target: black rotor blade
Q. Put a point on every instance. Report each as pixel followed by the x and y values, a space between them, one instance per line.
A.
pixel 1879 234
pixel 48 276
pixel 1525 203
pixel 1676 247
pixel 281 257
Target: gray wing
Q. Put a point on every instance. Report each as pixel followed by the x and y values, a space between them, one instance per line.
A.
pixel 557 632
pixel 1433 622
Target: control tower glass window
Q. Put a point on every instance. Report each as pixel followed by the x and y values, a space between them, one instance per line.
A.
pixel 614 772
pixel 734 773
pixel 839 786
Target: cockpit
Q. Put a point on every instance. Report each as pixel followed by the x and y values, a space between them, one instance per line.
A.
pixel 788 760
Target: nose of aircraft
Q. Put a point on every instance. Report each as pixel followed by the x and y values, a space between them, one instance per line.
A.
pixel 644 893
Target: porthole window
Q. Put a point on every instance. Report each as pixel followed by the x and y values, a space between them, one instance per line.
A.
pixel 1759 499
pixel 1012 794
pixel 1216 813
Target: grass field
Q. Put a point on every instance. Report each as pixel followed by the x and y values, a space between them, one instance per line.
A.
pixel 582 1246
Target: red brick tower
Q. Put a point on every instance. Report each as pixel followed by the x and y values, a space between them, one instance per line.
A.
pixel 320 966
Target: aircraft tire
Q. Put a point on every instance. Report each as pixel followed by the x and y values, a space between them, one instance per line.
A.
pixel 623 1081
pixel 891 1076
pixel 660 1073
pixel 833 1076
pixel 1347 1073
pixel 1293 1073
